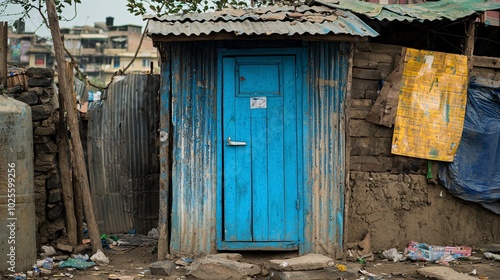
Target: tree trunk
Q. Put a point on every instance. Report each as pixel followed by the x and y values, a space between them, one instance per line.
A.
pixel 66 177
pixel 65 90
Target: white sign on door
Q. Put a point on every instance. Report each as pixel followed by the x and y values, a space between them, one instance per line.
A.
pixel 258 102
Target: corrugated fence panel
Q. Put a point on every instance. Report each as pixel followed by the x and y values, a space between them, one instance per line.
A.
pixel 123 155
pixel 324 147
pixel 194 78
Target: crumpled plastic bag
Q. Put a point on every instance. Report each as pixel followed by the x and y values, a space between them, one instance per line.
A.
pixel 76 263
pixel 393 254
pixel 100 258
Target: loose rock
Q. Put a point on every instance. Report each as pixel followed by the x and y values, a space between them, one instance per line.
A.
pixel 306 262
pixel 164 268
pixel 443 273
pixel 211 268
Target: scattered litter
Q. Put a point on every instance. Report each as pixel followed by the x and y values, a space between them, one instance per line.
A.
pixel 188 260
pixel 120 243
pixel 371 276
pixel 474 272
pixel 360 260
pixel 132 231
pixel 284 264
pixel 19 276
pixel 45 270
pixel 393 255
pixel 48 263
pixel 63 275
pixel 39 263
pixel 492 256
pixel 153 233
pixel 76 263
pixel 48 251
pixel 100 258
pixel 341 267
pixel 80 256
pixel 36 271
pixel 446 259
pixel 424 252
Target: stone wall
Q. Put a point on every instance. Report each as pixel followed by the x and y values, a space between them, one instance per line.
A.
pixel 389 196
pixel 41 97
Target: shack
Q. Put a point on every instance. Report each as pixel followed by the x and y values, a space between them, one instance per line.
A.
pixel 265 142
pixel 253 128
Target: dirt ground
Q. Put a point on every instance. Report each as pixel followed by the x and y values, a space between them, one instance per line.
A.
pixel 134 263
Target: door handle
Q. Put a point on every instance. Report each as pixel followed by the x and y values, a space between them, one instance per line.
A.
pixel 235 143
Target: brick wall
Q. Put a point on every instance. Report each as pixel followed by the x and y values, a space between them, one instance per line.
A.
pixel 389 195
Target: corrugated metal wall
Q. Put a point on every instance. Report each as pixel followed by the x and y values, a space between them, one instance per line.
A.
pixel 194 170
pixel 123 155
pixel 325 147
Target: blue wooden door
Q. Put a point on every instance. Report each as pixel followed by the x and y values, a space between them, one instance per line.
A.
pixel 260 158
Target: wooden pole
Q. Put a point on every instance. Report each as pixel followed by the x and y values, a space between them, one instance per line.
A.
pixel 469 42
pixel 77 193
pixel 65 90
pixel 4 34
pixel 66 174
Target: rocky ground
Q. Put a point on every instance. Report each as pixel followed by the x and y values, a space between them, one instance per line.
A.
pixel 137 260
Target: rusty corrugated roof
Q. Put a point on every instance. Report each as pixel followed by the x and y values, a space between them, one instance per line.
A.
pixel 272 20
pixel 439 10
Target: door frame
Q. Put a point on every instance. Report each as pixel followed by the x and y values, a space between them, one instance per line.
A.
pixel 301 92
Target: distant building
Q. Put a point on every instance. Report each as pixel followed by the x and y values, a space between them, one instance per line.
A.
pixel 28 50
pixel 100 51
pixel 104 49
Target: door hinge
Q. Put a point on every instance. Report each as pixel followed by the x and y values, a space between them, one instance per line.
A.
pixel 297 204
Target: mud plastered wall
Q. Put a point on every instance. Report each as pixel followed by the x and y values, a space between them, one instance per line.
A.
pixel 389 195
pixel 40 95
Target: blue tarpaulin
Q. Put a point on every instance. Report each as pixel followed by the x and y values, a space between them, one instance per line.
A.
pixel 474 174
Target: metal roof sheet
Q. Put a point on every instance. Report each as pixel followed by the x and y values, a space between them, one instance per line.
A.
pixel 439 10
pixel 272 20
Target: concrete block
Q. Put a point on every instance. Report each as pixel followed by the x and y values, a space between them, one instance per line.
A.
pixel 366 74
pixel 360 128
pixel 371 94
pixel 358 113
pixel 164 268
pixel 357 94
pixel 362 146
pixel 365 63
pixel 361 104
pixel 230 256
pixel 382 146
pixel 364 84
pixel 306 262
pixel 211 268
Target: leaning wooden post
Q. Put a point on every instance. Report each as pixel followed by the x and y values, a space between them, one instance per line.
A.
pixel 65 168
pixel 65 90
pixel 4 33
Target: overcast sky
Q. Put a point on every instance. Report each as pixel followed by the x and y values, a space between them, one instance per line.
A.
pixel 88 12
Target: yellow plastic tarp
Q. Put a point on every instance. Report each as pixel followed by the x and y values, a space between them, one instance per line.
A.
pixel 431 105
